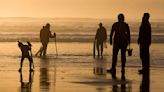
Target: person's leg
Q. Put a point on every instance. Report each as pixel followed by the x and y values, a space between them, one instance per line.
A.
pixel 102 49
pixel 142 55
pixel 21 64
pixel 147 58
pixel 123 59
pixel 41 49
pixel 98 48
pixel 142 58
pixel 31 64
pixel 114 60
pixel 45 49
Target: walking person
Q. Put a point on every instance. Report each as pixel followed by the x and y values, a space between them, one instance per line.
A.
pixel 121 33
pixel 144 42
pixel 45 34
pixel 100 39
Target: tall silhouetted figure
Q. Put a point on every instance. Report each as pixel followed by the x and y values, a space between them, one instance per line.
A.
pixel 121 33
pixel 26 53
pixel 144 42
pixel 45 34
pixel 100 38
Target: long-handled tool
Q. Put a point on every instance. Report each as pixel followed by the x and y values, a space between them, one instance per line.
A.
pixel 55 44
pixel 94 45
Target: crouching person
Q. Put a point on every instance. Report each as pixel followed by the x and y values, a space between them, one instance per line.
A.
pixel 26 53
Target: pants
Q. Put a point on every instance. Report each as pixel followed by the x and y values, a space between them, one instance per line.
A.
pixel 115 54
pixel 145 56
pixel 99 45
pixel 30 60
pixel 44 49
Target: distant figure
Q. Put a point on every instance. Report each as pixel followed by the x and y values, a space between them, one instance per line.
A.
pixel 121 41
pixel 26 53
pixel 26 86
pixel 144 41
pixel 45 34
pixel 100 38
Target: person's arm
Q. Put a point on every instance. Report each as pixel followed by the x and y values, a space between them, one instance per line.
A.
pixel 105 34
pixel 54 35
pixel 128 33
pixel 50 35
pixel 111 34
pixel 139 37
pixel 96 34
pixel 149 34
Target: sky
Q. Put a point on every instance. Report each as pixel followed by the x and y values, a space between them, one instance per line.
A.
pixel 132 9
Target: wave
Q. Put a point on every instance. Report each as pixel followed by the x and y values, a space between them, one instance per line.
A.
pixel 68 38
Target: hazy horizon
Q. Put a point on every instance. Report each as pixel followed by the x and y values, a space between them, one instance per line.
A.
pixel 133 10
pixel 83 18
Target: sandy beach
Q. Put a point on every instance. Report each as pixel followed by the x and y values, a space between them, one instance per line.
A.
pixel 76 70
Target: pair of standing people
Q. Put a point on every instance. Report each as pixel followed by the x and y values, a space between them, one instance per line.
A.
pixel 122 39
pixel 45 34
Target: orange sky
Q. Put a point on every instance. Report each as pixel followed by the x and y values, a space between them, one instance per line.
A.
pixel 133 9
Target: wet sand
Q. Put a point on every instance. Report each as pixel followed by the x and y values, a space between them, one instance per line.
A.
pixel 50 76
pixel 73 74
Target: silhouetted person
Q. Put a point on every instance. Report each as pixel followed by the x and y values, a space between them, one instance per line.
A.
pixel 100 38
pixel 26 86
pixel 121 33
pixel 144 42
pixel 26 53
pixel 145 84
pixel 45 34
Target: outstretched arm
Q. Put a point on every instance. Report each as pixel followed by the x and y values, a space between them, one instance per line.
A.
pixel 51 36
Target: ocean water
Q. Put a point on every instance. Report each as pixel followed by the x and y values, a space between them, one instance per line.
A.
pixel 67 29
pixel 74 68
pixel 75 37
